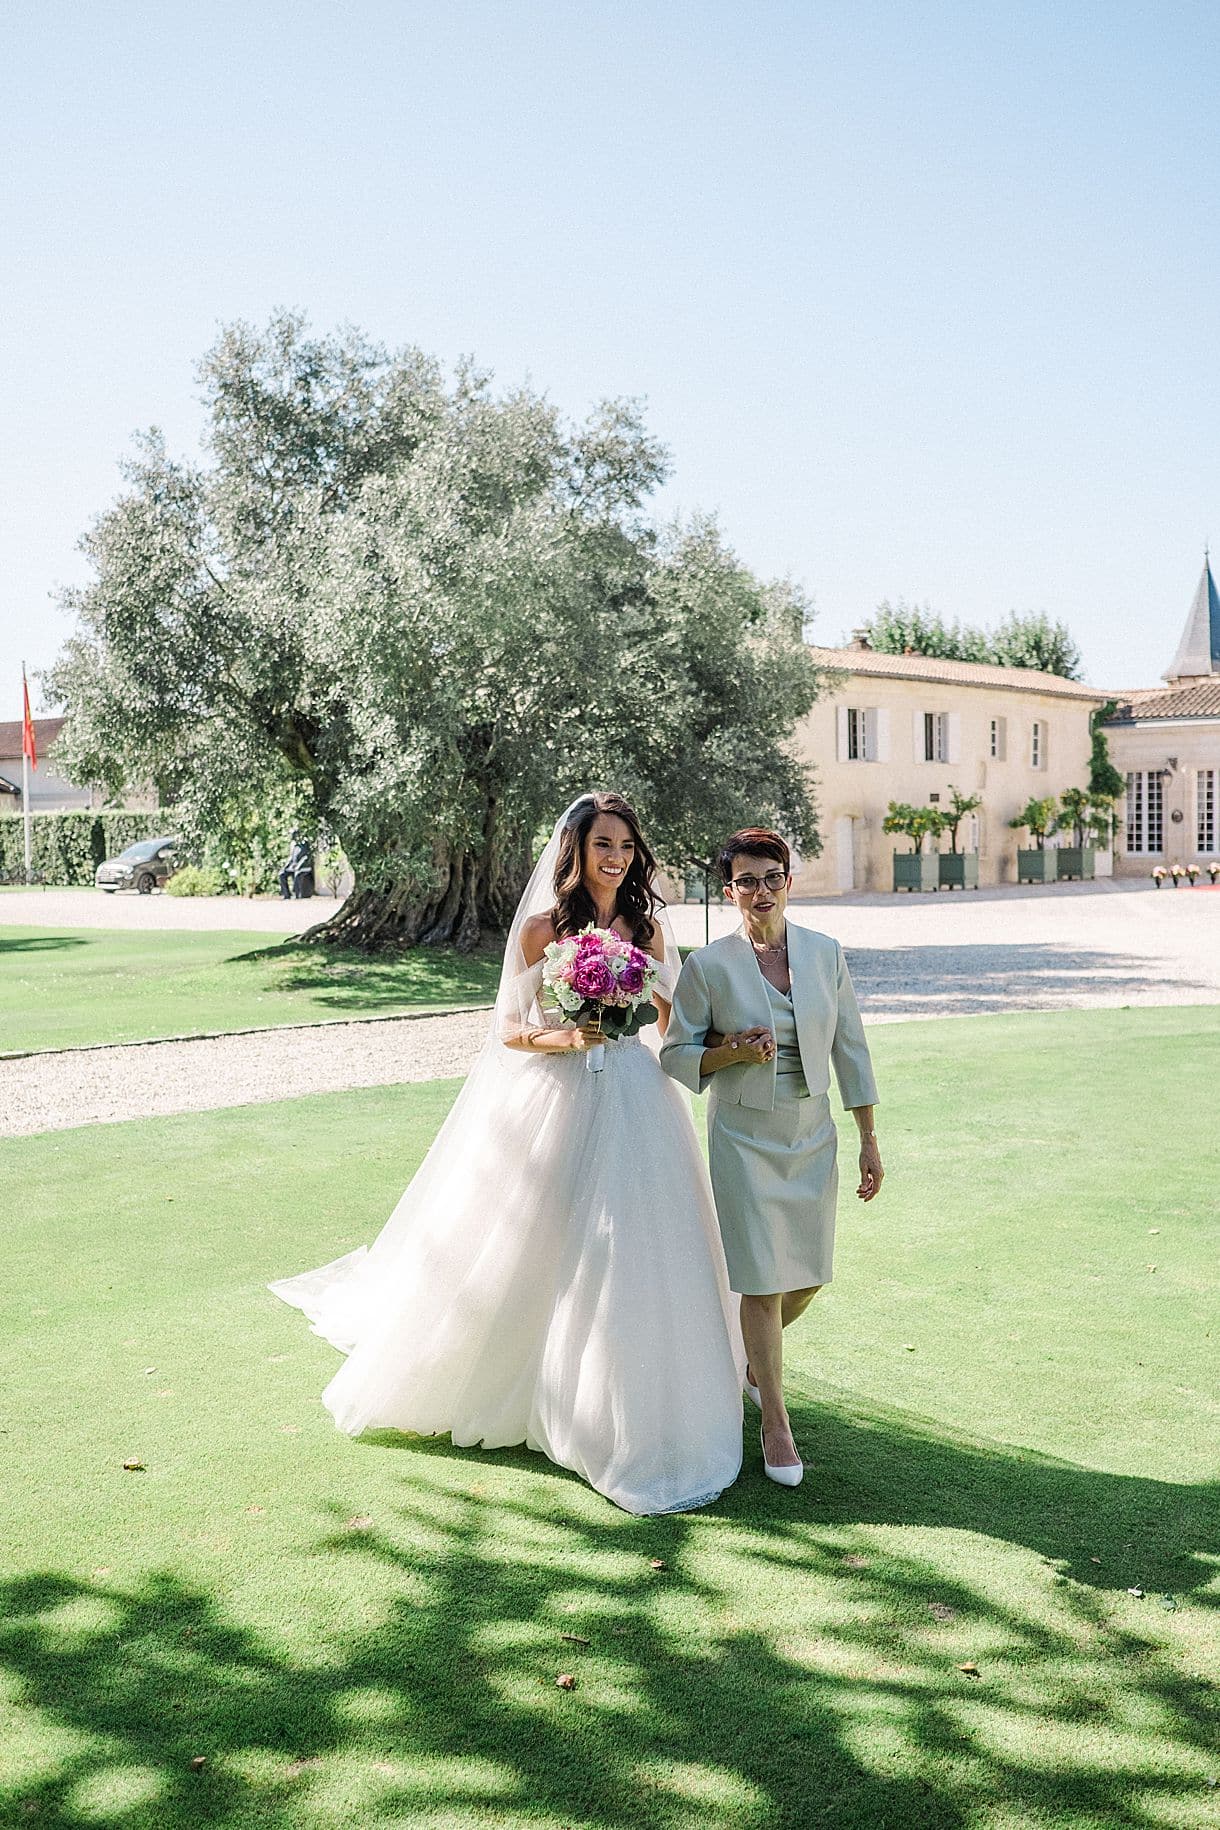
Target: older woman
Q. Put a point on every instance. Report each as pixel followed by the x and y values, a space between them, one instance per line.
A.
pixel 761 1016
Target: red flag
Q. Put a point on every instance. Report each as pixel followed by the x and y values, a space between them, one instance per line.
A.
pixel 28 746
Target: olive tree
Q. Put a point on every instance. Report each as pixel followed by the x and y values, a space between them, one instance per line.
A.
pixel 433 614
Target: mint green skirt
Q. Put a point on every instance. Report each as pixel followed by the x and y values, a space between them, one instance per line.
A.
pixel 776 1184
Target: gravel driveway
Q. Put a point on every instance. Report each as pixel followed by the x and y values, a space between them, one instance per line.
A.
pixel 1073 946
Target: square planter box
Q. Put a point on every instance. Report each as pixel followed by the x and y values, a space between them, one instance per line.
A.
pixel 1037 866
pixel 959 870
pixel 1075 861
pixel 916 870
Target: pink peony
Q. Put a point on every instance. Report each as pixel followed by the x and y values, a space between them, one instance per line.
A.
pixel 591 975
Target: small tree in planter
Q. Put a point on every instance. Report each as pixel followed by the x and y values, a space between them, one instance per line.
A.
pixel 959 867
pixel 1076 815
pixel 1037 818
pixel 915 870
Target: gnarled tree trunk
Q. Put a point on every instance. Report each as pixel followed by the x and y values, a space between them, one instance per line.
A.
pixel 473 897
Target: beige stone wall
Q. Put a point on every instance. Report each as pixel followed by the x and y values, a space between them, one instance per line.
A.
pixel 1190 745
pixel 852 796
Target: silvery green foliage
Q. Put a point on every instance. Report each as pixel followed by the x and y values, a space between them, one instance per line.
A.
pixel 440 610
pixel 1016 641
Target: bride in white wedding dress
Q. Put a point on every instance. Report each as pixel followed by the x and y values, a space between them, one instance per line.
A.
pixel 554 1274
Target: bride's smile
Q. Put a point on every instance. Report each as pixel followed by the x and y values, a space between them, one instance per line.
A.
pixel 609 855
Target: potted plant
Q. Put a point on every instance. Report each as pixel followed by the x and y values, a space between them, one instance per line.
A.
pixel 1159 874
pixel 1078 815
pixel 1176 873
pixel 915 869
pixel 958 868
pixel 1192 871
pixel 1037 817
pixel 1213 871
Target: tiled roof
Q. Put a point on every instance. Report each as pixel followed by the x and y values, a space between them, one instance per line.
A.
pixel 46 730
pixel 1200 701
pixel 954 673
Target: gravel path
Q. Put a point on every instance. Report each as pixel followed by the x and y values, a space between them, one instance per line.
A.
pixel 1074 946
pixel 53 1092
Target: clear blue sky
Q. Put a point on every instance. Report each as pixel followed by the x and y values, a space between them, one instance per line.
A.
pixel 922 298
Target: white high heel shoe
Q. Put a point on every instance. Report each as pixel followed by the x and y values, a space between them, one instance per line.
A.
pixel 752 1391
pixel 787 1476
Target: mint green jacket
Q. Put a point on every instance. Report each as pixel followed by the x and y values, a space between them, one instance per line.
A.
pixel 721 988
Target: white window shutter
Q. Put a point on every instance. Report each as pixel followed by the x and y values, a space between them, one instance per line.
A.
pixel 1045 745
pixel 917 728
pixel 1001 740
pixel 869 750
pixel 883 733
pixel 841 732
pixel 955 738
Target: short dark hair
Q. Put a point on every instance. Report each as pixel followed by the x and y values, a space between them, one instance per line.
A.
pixel 760 842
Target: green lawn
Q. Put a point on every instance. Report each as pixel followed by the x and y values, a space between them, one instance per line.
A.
pixel 1010 1415
pixel 64 988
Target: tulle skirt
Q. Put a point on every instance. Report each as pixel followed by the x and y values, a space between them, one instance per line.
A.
pixel 554 1276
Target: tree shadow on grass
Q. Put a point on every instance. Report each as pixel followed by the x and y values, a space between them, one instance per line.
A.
pixel 344 979
pixel 840 1704
pixel 876 1465
pixel 995 977
pixel 41 943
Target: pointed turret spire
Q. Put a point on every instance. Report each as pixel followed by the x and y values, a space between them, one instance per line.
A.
pixel 1199 650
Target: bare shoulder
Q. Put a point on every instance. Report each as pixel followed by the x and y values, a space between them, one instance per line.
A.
pixel 536 937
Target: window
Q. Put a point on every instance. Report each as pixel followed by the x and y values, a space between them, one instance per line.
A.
pixel 863 733
pixel 1207 783
pixel 1037 745
pixel 999 739
pixel 1145 810
pixel 935 737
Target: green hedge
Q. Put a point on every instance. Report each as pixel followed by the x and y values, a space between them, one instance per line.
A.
pixel 66 848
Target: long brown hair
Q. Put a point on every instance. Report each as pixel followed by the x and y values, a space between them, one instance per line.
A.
pixel 637 902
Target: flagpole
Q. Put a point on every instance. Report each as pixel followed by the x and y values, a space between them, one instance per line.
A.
pixel 25 785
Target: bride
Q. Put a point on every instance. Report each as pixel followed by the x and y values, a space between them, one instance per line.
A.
pixel 553 1274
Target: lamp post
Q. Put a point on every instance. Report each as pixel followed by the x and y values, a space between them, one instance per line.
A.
pixel 707 868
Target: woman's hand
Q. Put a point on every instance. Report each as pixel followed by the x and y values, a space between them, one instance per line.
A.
pixel 585 1037
pixel 751 1047
pixel 871 1173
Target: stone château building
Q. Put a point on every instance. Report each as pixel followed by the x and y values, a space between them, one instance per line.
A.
pixel 908 728
pixel 1166 741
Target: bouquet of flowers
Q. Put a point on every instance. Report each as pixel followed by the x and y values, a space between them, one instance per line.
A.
pixel 599 977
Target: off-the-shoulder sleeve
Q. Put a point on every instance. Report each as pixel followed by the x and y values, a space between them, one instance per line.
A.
pixel 667 976
pixel 689 1021
pixel 518 1009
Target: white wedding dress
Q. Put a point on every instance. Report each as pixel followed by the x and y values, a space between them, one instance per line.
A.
pixel 553 1274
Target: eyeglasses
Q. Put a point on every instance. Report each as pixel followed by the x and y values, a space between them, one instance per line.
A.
pixel 747 884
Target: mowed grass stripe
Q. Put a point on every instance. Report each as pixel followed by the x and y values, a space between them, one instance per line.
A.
pixel 69 988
